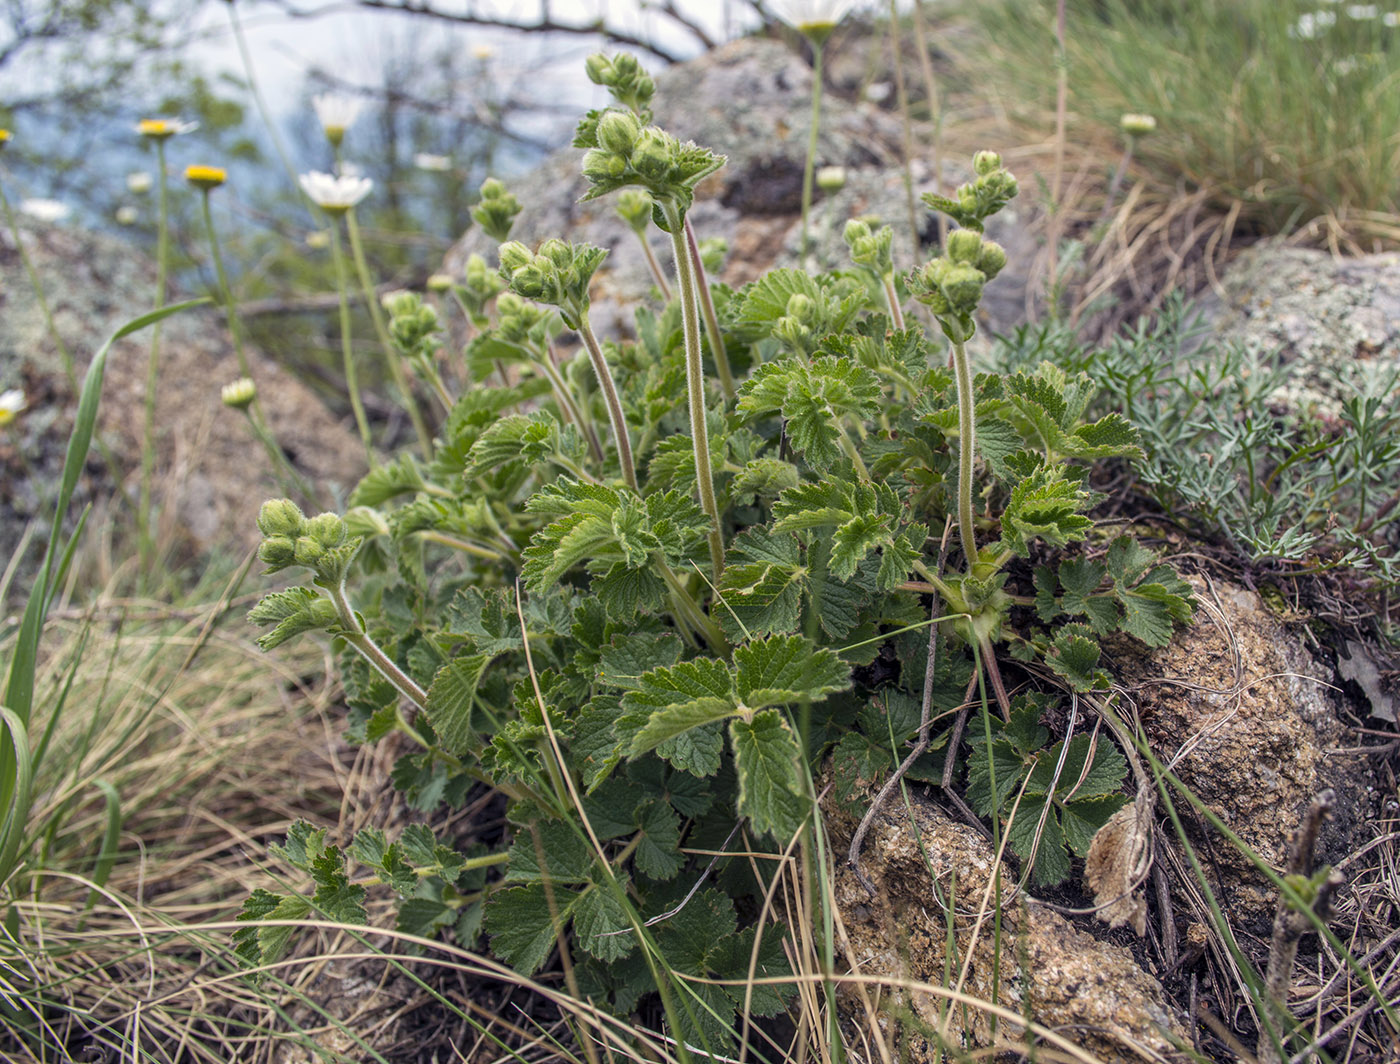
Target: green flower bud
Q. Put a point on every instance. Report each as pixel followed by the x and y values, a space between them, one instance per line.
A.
pixel 800 307
pixel 984 162
pixel 400 303
pixel 599 68
pixel 831 178
pixel 855 230
pixel 556 251
pixel 239 394
pixel 439 282
pixel 634 205
pixel 514 256
pixel 307 551
pixel 1136 125
pixel 280 517
pixel 652 154
pixel 792 332
pixel 618 131
pixel 992 259
pixel 497 210
pixel 493 188
pixel 278 552
pixel 963 245
pixel 962 287
pixel 530 281
pixel 365 521
pixel 327 529
pixel 600 165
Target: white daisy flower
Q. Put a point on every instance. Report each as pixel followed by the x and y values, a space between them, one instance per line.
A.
pixel 337 113
pixel 436 164
pixel 11 405
pixel 163 128
pixel 335 195
pixel 44 210
pixel 812 17
pixel 139 182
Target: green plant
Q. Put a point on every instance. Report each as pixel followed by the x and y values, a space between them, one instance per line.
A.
pixel 1281 110
pixel 648 649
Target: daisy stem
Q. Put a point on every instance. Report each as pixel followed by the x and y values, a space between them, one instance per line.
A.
pixel 148 435
pixel 376 313
pixel 342 281
pixel 809 171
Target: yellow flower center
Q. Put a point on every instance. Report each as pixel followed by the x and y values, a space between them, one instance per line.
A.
pixel 205 176
pixel 155 127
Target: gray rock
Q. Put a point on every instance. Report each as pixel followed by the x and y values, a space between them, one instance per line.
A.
pixel 751 101
pixel 1336 322
pixel 211 474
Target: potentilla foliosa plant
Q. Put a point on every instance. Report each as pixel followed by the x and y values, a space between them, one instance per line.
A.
pixel 652 594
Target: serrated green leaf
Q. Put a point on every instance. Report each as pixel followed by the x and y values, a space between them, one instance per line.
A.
pixel 550 849
pixel 1128 560
pixel 1044 506
pixel 763 478
pixel 259 944
pixel 450 700
pixel 1074 656
pixel 1009 766
pixel 488 619
pixel 1052 865
pixel 386 481
pixel 1112 436
pixel 766 761
pixel 336 897
pixel 597 914
pixel 302 846
pixel 597 748
pixel 758 598
pixel 424 916
pixel 658 852
pixel 625 591
pixel 1082 819
pixel 785 669
pixel 622 663
pixel 696 751
pixel 821 505
pixel 525 922
pixel 293 612
pixel 679 698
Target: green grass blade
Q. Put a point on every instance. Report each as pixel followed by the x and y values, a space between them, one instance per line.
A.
pixel 21 791
pixel 107 856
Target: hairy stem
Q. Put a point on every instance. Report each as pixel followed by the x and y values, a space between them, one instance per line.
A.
pixel 567 404
pixel 605 382
pixel 892 298
pixel 695 385
pixel 707 308
pixel 967 451
pixel 371 652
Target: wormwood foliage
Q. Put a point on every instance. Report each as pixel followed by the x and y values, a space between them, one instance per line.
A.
pixel 651 676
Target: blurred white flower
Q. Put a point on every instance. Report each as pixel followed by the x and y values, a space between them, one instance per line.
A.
pixel 139 182
pixel 1391 19
pixel 437 164
pixel 812 16
pixel 162 128
pixel 337 113
pixel 336 195
pixel 127 214
pixel 1312 23
pixel 11 405
pixel 1362 12
pixel 483 52
pixel 44 210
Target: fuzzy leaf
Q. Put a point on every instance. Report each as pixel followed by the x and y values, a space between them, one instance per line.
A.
pixel 488 619
pixel 525 922
pixel 1044 506
pixel 450 700
pixel 1074 655
pixel 696 751
pixel 597 913
pixel 678 698
pixel 766 760
pixel 1051 858
pixel 622 664
pixel 553 850
pixel 658 853
pixel 784 669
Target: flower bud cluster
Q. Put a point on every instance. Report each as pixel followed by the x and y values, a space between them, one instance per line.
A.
pixel 291 538
pixel 558 274
pixel 795 327
pixel 871 248
pixel 519 322
pixel 624 77
pixel 496 210
pixel 625 153
pixel 951 285
pixel 973 203
pixel 413 326
pixel 713 249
